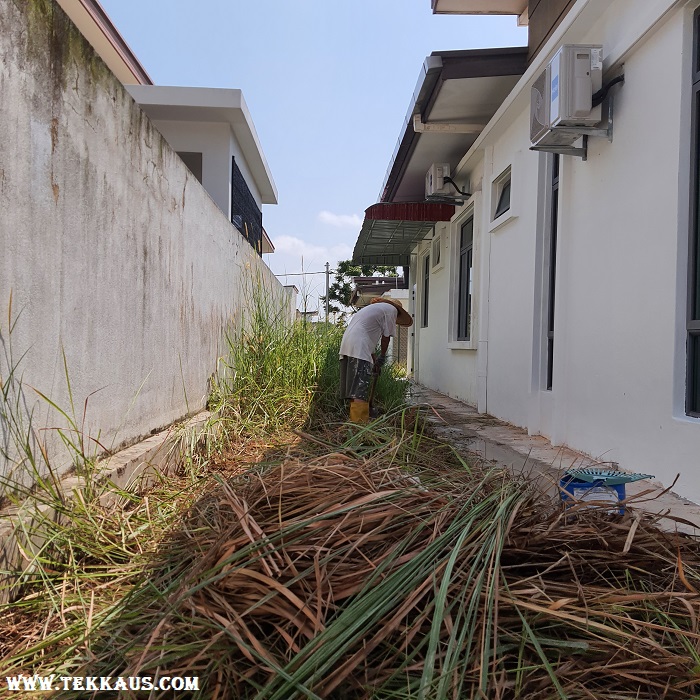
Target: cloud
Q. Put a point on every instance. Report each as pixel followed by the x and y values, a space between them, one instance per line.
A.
pixel 340 220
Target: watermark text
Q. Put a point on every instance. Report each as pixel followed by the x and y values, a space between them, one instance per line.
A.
pixel 24 683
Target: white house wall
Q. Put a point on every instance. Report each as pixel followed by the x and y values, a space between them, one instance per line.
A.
pixel 617 295
pixel 511 274
pixel 619 350
pixel 450 371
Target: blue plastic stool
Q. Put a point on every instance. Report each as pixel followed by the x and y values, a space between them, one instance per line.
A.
pixel 597 486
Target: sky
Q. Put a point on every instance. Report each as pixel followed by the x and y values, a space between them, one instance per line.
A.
pixel 327 83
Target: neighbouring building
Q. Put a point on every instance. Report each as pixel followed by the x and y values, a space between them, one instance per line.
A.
pixel 123 263
pixel 555 279
pixel 212 131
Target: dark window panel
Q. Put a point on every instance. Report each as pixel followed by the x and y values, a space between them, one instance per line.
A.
pixel 426 289
pixel 696 281
pixel 551 296
pixel 245 213
pixel 694 374
pixel 692 403
pixel 503 200
pixel 694 277
pixel 464 290
pixel 194 162
pixel 697 34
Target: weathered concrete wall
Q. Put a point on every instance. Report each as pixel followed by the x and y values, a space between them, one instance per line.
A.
pixel 111 250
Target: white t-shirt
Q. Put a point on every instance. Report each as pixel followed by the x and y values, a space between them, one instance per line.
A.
pixel 366 328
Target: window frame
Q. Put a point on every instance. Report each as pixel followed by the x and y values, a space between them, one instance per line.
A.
pixel 465 303
pixel 506 176
pixel 425 289
pixel 245 214
pixel 472 210
pixel 692 383
pixel 551 237
pixel 504 186
pixel 436 252
pixel 194 160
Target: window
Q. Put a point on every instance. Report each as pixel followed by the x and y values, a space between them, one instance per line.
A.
pixel 245 213
pixel 194 162
pixel 552 272
pixel 501 194
pixel 464 303
pixel 436 250
pixel 692 405
pixel 426 288
pixel 503 200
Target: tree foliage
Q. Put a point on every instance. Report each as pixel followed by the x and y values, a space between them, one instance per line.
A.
pixel 340 290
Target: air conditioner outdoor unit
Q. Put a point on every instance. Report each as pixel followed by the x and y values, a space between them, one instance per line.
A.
pixel 562 96
pixel 435 180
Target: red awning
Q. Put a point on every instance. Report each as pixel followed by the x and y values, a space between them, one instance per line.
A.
pixel 410 211
pixel 391 230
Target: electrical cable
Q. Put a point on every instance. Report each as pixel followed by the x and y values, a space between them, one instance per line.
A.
pixel 302 274
pixel 454 184
pixel 599 96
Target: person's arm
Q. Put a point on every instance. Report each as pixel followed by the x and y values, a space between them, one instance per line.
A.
pixel 380 359
pixel 388 330
pixel 384 345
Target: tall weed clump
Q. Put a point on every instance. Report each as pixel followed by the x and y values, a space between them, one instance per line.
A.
pixel 72 543
pixel 277 371
pixel 392 387
pixel 62 521
pixel 36 433
pixel 280 373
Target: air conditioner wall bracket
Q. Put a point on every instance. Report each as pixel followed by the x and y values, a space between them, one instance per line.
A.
pixel 584 131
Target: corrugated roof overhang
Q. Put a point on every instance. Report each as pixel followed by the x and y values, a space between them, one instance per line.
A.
pixel 453 87
pixel 391 230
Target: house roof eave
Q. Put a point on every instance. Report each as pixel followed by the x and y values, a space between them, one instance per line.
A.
pixel 493 70
pixel 478 7
pixel 177 103
pixel 95 25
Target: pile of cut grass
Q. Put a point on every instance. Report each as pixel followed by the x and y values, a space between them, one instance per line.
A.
pixel 385 567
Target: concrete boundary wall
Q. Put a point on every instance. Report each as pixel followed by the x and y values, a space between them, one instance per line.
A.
pixel 114 256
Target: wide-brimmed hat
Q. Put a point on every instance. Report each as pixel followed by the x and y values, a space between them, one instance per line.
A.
pixel 404 318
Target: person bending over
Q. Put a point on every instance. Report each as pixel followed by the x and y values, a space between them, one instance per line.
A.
pixel 371 325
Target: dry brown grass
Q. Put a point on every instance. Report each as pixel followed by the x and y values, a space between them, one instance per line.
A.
pixel 401 573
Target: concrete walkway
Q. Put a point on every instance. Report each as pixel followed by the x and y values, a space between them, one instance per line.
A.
pixel 486 438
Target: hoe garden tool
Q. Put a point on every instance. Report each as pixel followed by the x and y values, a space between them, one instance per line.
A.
pixel 376 370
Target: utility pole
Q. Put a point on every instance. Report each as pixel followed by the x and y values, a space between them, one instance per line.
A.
pixel 328 280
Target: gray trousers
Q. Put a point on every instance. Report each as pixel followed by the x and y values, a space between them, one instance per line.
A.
pixel 355 378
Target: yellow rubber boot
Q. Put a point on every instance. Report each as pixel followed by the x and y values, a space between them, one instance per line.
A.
pixel 359 411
